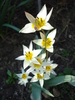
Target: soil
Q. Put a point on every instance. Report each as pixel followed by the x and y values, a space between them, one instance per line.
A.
pixel 63 18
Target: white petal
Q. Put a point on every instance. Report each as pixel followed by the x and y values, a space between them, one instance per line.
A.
pixel 52 34
pixel 38 42
pixel 49 15
pixel 30 17
pixel 42 35
pixel 45 63
pixel 25 64
pixel 36 52
pixel 53 72
pixel 30 46
pixel 47 27
pixel 46 77
pixel 34 79
pixel 30 70
pixel 51 49
pixel 43 12
pixel 19 75
pixel 27 29
pixel 35 61
pixel 42 56
pixel 25 49
pixel 54 65
pixel 22 69
pixel 41 82
pixel 20 57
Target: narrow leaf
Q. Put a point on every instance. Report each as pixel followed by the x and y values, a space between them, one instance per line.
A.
pixel 47 92
pixel 9 73
pixel 23 3
pixel 11 26
pixel 61 79
pixel 36 92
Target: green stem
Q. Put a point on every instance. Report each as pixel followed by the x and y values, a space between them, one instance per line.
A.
pixel 45 44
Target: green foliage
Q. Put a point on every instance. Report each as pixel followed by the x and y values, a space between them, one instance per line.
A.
pixel 65 53
pixel 61 79
pixel 73 72
pixel 23 3
pixel 36 91
pixel 67 71
pixel 11 77
pixel 6 9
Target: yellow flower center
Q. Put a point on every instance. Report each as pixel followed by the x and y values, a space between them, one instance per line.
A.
pixel 24 76
pixel 46 42
pixel 40 76
pixel 48 68
pixel 39 22
pixel 37 65
pixel 29 56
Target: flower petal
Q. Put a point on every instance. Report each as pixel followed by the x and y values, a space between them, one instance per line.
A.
pixel 36 52
pixel 51 49
pixel 41 82
pixel 42 13
pixel 34 79
pixel 47 27
pixel 49 15
pixel 42 35
pixel 25 49
pixel 30 46
pixel 20 57
pixel 30 17
pixel 27 29
pixel 30 70
pixel 38 42
pixel 54 65
pixel 52 34
pixel 25 64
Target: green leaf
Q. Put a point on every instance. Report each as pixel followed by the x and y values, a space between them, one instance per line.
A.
pixel 4 11
pixel 9 73
pixel 47 92
pixel 61 79
pixel 11 26
pixel 67 71
pixel 36 91
pixel 60 74
pixel 15 76
pixel 23 3
pixel 73 72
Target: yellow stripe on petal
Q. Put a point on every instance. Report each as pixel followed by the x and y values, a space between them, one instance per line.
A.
pixel 29 56
pixel 40 76
pixel 48 68
pixel 24 76
pixel 47 42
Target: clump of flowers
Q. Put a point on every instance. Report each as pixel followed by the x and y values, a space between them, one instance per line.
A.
pixel 37 62
pixel 39 66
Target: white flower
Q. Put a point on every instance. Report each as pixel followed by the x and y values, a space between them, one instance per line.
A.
pixel 29 55
pixel 37 67
pixel 50 68
pixel 48 42
pixel 40 76
pixel 23 77
pixel 38 23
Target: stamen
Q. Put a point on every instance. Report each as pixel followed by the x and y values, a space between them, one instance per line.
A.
pixel 39 22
